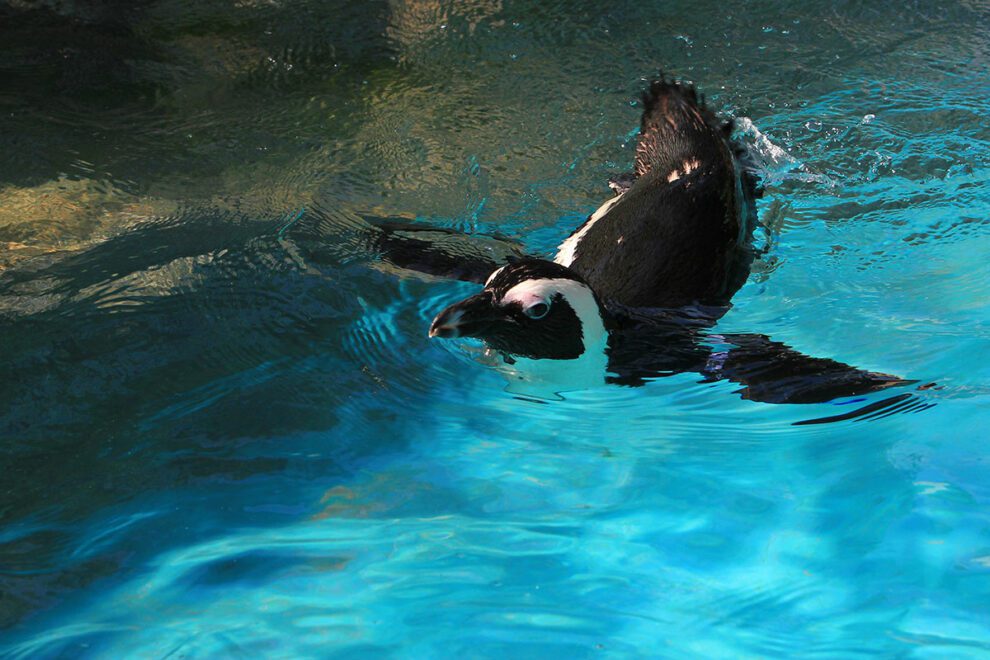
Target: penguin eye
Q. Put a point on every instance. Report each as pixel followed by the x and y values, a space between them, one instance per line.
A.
pixel 537 311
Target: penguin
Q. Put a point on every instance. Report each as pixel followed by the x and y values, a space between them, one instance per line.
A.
pixel 675 237
pixel 633 293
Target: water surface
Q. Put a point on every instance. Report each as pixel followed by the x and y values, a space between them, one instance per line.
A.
pixel 225 433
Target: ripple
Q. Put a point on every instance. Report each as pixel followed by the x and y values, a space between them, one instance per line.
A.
pixel 226 431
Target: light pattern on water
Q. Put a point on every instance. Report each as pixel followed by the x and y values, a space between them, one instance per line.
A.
pixel 226 433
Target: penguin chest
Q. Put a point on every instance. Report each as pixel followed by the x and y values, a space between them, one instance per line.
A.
pixel 546 378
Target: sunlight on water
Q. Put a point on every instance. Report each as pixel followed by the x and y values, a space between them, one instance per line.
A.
pixel 227 434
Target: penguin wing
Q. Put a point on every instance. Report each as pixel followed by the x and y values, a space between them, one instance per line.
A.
pixel 773 372
pixel 769 371
pixel 442 252
pixel 341 235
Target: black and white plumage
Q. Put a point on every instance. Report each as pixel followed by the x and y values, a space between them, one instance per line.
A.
pixel 678 232
pixel 532 309
pixel 634 291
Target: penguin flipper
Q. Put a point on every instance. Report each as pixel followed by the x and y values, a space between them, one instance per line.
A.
pixel 769 371
pixel 441 251
pixel 342 235
pixel 772 372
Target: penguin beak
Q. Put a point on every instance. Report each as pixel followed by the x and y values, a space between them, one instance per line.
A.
pixel 471 317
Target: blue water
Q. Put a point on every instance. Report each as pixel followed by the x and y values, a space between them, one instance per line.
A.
pixel 226 434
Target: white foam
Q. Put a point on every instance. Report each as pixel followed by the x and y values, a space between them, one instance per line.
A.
pixel 767 150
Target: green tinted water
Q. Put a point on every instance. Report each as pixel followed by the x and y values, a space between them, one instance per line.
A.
pixel 222 437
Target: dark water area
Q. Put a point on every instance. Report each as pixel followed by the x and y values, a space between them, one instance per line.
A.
pixel 224 432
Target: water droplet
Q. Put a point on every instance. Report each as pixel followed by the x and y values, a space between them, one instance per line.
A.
pixel 813 125
pixel 868 118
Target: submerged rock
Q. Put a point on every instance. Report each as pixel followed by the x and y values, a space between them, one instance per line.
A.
pixel 66 214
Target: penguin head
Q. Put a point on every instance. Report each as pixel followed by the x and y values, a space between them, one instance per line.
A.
pixel 530 308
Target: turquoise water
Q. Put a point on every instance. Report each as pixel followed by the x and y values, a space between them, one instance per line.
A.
pixel 226 434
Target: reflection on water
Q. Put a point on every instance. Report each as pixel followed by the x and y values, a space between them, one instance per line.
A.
pixel 225 431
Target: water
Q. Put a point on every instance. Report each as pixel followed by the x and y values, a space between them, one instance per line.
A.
pixel 226 434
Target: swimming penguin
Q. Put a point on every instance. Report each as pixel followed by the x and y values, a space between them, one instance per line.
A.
pixel 634 291
pixel 674 240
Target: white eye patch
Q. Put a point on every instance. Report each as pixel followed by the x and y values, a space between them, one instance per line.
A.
pixel 531 293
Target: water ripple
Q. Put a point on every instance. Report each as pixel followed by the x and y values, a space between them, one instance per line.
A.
pixel 226 432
